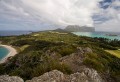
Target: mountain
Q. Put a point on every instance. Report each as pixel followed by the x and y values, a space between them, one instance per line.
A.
pixel 77 28
pixel 60 30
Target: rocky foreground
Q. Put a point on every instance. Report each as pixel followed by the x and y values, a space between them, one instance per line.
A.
pixel 88 75
pixel 81 72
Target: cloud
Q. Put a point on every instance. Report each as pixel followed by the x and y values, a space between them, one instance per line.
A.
pixel 111 26
pixel 64 12
pixel 49 14
pixel 110 16
pixel 54 12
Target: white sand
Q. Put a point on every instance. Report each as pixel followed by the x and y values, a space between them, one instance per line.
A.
pixel 12 52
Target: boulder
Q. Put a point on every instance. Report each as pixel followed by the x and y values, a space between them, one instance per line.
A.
pixel 7 78
pixel 88 75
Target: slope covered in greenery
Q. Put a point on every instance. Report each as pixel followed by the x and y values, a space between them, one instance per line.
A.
pixel 41 52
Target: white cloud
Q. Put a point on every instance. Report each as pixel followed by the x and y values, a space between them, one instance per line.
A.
pixel 112 14
pixel 40 13
pixel 111 25
pixel 116 3
pixel 57 12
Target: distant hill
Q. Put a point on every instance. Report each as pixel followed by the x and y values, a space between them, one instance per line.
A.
pixel 77 28
pixel 60 30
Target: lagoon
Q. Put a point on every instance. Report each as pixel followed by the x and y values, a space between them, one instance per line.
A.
pixel 108 35
pixel 3 52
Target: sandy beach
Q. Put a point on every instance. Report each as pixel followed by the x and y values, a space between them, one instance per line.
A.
pixel 12 52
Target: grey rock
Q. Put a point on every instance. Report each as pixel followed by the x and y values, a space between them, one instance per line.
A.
pixel 88 50
pixel 88 75
pixel 93 75
pixel 75 60
pixel 53 76
pixel 6 78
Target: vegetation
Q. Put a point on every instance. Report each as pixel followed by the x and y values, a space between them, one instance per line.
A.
pixel 114 52
pixel 40 52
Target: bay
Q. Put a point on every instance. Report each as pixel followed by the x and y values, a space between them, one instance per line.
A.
pixel 3 52
pixel 108 35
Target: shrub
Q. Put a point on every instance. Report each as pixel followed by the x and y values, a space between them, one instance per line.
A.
pixel 93 63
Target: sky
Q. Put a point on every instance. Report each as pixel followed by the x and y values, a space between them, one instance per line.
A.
pixel 104 15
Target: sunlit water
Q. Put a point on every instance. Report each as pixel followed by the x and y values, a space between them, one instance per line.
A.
pixel 99 34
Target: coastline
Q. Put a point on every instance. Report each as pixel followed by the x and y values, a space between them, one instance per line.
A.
pixel 12 52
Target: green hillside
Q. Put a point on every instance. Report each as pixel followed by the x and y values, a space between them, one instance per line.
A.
pixel 114 52
pixel 41 52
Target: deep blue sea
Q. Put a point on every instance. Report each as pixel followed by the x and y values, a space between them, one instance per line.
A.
pixel 13 33
pixel 3 52
pixel 109 35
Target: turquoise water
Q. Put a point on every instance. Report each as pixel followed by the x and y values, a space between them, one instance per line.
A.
pixel 3 52
pixel 99 34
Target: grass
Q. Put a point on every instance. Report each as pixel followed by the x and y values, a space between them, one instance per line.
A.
pixel 41 52
pixel 23 47
pixel 114 52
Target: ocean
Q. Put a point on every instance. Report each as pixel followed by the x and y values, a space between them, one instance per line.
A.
pixel 3 52
pixel 13 33
pixel 108 35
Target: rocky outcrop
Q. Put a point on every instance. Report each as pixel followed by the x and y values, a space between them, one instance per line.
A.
pixel 88 75
pixel 6 78
pixel 93 75
pixel 75 60
pixel 53 76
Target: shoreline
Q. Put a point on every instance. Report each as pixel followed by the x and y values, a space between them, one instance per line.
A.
pixel 12 52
